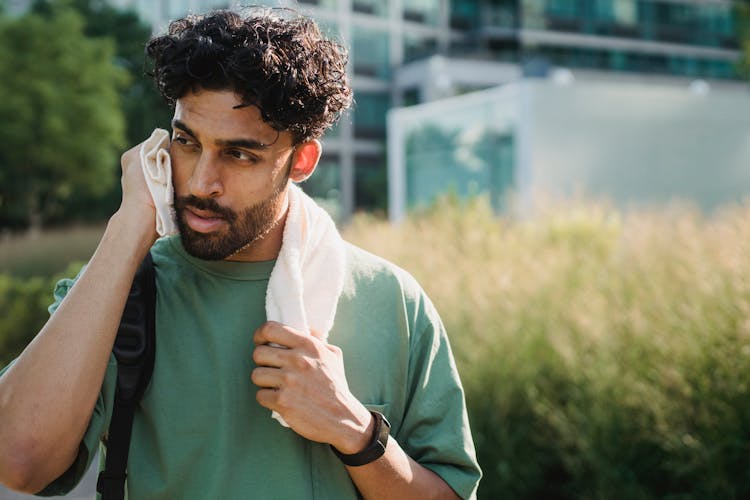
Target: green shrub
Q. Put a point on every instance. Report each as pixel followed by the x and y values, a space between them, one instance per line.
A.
pixel 23 310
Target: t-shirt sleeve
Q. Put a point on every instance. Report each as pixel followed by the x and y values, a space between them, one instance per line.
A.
pixel 99 418
pixel 435 430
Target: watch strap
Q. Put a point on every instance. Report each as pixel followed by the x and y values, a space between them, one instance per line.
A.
pixel 375 448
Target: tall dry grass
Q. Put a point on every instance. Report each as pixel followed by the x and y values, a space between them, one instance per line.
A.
pixel 604 355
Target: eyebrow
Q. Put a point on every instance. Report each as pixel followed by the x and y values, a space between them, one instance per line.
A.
pixel 232 143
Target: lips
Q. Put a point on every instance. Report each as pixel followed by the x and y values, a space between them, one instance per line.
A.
pixel 203 221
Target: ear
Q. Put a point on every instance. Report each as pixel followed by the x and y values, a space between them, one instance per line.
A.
pixel 306 156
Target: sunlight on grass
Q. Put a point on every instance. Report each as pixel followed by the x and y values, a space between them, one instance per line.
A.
pixel 604 355
pixel 49 252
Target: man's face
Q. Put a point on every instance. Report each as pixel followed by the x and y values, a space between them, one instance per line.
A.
pixel 230 172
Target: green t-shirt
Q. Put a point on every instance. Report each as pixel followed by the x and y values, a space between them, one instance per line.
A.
pixel 199 431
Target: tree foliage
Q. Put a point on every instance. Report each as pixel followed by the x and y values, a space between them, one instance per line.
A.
pixel 60 118
pixel 116 93
pixel 141 104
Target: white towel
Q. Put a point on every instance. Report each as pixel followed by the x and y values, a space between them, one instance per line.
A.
pixel 308 277
pixel 157 169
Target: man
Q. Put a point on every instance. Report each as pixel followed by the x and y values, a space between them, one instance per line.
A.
pixel 251 97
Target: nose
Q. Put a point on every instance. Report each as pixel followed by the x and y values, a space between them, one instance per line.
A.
pixel 206 179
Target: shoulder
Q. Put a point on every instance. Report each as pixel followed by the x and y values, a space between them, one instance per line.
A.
pixel 382 285
pixel 365 268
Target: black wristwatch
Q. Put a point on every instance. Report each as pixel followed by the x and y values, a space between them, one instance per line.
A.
pixel 374 449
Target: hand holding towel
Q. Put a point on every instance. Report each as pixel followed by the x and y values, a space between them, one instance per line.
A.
pixel 157 169
pixel 307 280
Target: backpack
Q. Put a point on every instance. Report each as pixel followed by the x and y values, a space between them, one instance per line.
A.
pixel 134 349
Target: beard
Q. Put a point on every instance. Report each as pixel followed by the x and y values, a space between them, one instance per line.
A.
pixel 242 230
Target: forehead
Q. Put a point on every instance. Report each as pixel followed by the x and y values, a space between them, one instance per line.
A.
pixel 219 115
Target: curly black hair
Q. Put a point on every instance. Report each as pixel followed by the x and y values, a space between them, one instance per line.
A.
pixel 281 64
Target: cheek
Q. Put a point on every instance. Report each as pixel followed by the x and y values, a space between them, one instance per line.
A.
pixel 249 181
pixel 180 174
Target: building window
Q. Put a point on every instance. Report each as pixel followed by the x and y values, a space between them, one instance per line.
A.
pixel 370 183
pixel 715 26
pixel 564 15
pixel 370 53
pixel 418 47
pixel 323 3
pixel 410 97
pixel 472 159
pixel 672 22
pixel 372 7
pixel 369 114
pixel 499 14
pixel 421 11
pixel 615 18
pixel 464 14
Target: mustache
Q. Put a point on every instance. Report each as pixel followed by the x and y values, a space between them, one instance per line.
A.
pixel 209 204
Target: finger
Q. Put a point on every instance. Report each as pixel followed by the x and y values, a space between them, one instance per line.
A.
pixel 267 355
pixel 267 378
pixel 268 398
pixel 277 333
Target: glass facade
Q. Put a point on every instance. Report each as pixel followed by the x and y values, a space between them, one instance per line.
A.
pixel 638 62
pixel 466 147
pixel 465 162
pixel 710 24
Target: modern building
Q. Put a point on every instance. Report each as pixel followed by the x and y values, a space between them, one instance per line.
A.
pixel 631 144
pixel 482 44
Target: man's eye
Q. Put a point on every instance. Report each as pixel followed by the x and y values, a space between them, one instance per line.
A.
pixel 241 155
pixel 180 140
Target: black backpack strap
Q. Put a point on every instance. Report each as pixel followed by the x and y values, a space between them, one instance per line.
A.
pixel 134 348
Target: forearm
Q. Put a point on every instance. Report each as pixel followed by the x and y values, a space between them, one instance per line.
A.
pixel 48 395
pixel 396 476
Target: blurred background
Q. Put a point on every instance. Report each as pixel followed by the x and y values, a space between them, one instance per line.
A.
pixel 567 179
